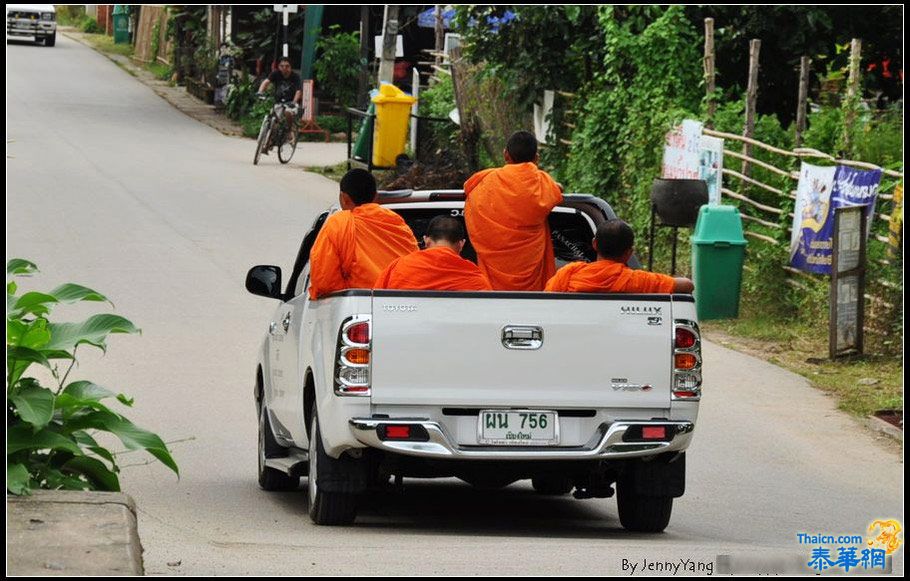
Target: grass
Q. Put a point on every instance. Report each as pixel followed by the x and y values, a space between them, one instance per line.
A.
pixel 161 71
pixel 333 172
pixel 105 44
pixel 803 349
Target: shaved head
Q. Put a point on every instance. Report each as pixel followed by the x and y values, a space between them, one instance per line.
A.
pixel 445 228
pixel 613 239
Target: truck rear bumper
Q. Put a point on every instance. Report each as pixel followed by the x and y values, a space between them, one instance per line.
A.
pixel 615 441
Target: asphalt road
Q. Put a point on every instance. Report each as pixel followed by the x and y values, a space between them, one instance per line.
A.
pixel 108 186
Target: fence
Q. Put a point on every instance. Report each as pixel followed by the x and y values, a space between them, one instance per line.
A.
pixel 768 222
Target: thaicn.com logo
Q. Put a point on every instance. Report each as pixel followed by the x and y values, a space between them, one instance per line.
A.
pixel 854 552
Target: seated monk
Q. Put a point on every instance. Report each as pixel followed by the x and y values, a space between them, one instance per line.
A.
pixel 439 267
pixel 357 243
pixel 506 212
pixel 609 273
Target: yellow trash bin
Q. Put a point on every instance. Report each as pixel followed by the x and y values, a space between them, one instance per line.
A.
pixel 393 111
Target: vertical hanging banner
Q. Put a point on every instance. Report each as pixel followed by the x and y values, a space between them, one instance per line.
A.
pixel 711 165
pixel 681 151
pixel 810 241
pixel 820 191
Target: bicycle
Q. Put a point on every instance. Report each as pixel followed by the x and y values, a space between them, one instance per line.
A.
pixel 276 130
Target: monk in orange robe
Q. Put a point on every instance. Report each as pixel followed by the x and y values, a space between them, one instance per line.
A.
pixel 506 212
pixel 439 266
pixel 609 273
pixel 357 243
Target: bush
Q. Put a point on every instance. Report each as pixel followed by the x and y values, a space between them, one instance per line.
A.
pixel 51 430
pixel 91 26
pixel 338 67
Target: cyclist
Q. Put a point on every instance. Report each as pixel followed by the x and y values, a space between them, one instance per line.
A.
pixel 288 91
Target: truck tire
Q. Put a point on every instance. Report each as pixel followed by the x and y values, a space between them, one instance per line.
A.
pixel 271 478
pixel 326 508
pixel 50 40
pixel 552 485
pixel 639 513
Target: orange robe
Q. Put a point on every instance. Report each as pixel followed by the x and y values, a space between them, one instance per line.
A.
pixel 607 276
pixel 506 212
pixel 354 246
pixel 437 268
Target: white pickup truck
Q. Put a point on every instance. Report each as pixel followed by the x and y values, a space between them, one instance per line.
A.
pixel 572 391
pixel 32 22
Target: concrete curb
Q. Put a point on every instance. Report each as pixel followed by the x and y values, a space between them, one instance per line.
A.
pixel 61 532
pixel 881 426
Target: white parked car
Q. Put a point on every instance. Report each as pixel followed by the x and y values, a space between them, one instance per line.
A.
pixel 32 22
pixel 573 391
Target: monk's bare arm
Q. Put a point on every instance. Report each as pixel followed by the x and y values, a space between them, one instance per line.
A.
pixel 683 285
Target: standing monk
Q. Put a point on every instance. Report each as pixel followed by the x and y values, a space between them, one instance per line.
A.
pixel 609 274
pixel 506 212
pixel 356 244
pixel 439 266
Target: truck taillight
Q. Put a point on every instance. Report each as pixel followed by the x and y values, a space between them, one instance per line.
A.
pixel 685 338
pixel 686 361
pixel 352 357
pixel 358 333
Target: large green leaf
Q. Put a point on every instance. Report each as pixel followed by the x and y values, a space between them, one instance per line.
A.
pixel 34 404
pixel 95 471
pixel 33 302
pixel 73 293
pixel 18 360
pixel 86 390
pixel 20 267
pixel 34 335
pixel 85 440
pixel 92 331
pixel 22 437
pixel 132 436
pixel 17 479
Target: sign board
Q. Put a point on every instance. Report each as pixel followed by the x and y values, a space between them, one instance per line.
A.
pixel 292 8
pixel 711 165
pixel 822 190
pixel 308 105
pixel 848 282
pixel 681 156
pixel 399 46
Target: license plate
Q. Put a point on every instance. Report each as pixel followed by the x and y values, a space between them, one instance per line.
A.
pixel 518 428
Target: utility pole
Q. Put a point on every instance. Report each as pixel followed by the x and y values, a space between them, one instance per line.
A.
pixel 365 39
pixel 389 43
pixel 440 35
pixel 285 9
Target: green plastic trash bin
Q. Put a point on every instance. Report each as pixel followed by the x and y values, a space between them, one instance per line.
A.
pixel 362 144
pixel 121 16
pixel 718 253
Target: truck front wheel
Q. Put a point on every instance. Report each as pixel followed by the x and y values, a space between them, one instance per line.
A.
pixel 326 508
pixel 270 478
pixel 640 513
pixel 50 40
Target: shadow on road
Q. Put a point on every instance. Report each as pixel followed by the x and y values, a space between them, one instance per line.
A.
pixel 450 507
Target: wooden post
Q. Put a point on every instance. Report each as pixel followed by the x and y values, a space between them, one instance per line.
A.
pixel 709 71
pixel 856 49
pixel 751 98
pixel 440 35
pixel 365 38
pixel 801 104
pixel 389 43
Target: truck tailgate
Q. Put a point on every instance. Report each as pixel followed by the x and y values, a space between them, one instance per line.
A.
pixel 465 350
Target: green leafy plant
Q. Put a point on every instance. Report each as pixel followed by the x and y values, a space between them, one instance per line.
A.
pixel 338 66
pixel 51 425
pixel 91 26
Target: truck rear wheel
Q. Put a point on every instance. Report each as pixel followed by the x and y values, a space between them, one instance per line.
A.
pixel 326 508
pixel 552 485
pixel 271 478
pixel 639 513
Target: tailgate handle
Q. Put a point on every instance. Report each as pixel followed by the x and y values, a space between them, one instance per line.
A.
pixel 522 337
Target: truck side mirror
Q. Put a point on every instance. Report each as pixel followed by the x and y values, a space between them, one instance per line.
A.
pixel 265 281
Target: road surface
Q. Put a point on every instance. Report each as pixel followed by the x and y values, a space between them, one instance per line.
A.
pixel 110 187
